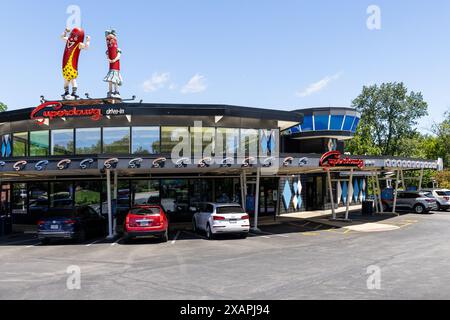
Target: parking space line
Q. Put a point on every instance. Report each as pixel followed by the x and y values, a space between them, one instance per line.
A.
pixel 95 242
pixel 33 245
pixel 258 235
pixel 310 233
pixel 274 234
pixel 117 242
pixel 176 237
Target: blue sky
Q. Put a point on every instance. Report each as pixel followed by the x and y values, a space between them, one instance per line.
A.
pixel 272 54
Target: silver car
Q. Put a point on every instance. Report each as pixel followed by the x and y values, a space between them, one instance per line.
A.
pixel 412 201
pixel 442 197
pixel 220 218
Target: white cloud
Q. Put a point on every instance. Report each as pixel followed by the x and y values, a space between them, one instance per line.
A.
pixel 195 85
pixel 156 82
pixel 318 86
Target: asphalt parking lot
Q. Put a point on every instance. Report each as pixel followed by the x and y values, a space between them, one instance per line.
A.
pixel 295 260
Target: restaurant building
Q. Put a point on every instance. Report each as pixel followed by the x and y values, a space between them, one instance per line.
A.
pixel 112 154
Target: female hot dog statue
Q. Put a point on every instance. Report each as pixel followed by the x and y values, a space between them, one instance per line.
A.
pixel 74 44
pixel 113 54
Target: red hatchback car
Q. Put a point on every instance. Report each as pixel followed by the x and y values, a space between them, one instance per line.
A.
pixel 146 221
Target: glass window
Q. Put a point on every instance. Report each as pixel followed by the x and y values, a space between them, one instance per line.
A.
pixel 87 193
pixel 145 140
pixel 355 124
pixel 268 141
pixel 145 192
pixel 336 122
pixel 62 142
pixel 19 198
pixel 116 140
pixel 348 123
pixel 61 194
pixel 88 141
pixel 39 143
pixel 172 136
pixel 20 144
pixel 321 121
pixel 206 138
pixel 307 123
pixel 200 191
pixel 249 142
pixel 38 199
pixel 175 198
pixel 227 141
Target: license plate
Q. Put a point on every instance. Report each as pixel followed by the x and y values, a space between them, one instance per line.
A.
pixel 233 221
pixel 145 223
pixel 54 227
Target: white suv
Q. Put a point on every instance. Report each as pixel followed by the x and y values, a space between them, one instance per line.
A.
pixel 442 198
pixel 219 218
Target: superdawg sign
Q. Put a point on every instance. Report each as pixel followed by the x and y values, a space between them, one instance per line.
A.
pixel 53 110
pixel 335 159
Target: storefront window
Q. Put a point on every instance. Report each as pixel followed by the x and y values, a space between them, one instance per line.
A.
pixel 6 146
pixel 175 198
pixel 20 144
pixel 173 136
pixel 116 140
pixel 249 142
pixel 62 142
pixel 145 140
pixel 203 140
pixel 87 193
pixel 88 141
pixel 38 199
pixel 200 191
pixel 145 192
pixel 227 141
pixel 39 143
pixel 61 194
pixel 225 190
pixel 19 198
pixel 321 121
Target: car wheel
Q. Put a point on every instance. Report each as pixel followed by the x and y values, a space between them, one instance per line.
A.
pixel 386 208
pixel 194 225
pixel 209 233
pixel 45 241
pixel 165 237
pixel 418 208
pixel 244 236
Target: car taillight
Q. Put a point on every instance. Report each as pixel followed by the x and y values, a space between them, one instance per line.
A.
pixel 430 200
pixel 446 198
pixel 219 218
pixel 41 222
pixel 246 217
pixel 70 222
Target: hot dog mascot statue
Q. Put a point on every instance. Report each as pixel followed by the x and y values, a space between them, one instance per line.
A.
pixel 113 55
pixel 74 44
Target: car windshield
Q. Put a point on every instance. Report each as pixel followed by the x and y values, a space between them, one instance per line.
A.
pixel 230 210
pixel 145 211
pixel 427 194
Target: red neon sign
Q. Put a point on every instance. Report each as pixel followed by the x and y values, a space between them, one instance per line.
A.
pixel 334 159
pixel 56 111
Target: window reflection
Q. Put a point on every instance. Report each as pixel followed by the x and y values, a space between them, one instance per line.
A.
pixel 20 144
pixel 227 141
pixel 39 143
pixel 88 141
pixel 145 140
pixel 145 192
pixel 172 136
pixel 116 140
pixel 62 142
pixel 87 193
pixel 61 194
pixel 203 140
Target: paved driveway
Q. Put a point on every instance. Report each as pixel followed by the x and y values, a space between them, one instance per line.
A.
pixel 295 260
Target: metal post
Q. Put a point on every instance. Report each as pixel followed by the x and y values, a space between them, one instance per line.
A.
pixel 403 180
pixel 115 195
pixel 330 188
pixel 257 191
pixel 394 206
pixel 108 192
pixel 379 193
pixel 350 184
pixel 243 198
pixel 421 180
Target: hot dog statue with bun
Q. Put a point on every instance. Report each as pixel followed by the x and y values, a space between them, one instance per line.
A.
pixel 74 44
pixel 114 54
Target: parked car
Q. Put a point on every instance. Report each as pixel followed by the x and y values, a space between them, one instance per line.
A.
pixel 77 223
pixel 220 218
pixel 146 221
pixel 415 201
pixel 442 197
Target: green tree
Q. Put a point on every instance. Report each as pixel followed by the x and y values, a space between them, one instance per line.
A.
pixel 388 117
pixel 3 107
pixel 442 142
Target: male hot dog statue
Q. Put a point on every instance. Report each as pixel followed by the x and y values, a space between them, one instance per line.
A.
pixel 113 54
pixel 74 44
